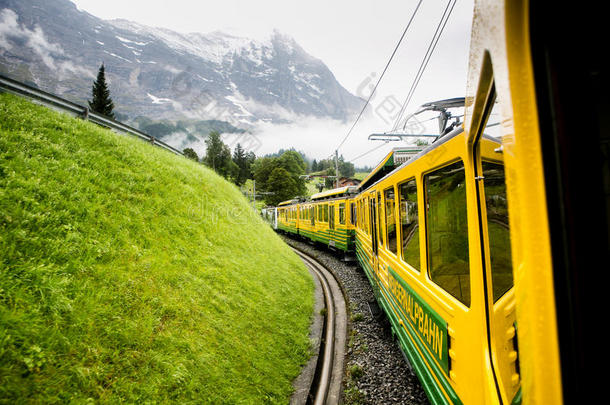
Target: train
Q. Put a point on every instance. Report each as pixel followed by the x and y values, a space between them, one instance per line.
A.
pixel 483 250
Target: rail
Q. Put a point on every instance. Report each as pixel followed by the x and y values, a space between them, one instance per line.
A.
pixel 326 385
pixel 50 100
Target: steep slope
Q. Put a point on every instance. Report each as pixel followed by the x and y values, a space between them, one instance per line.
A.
pixel 128 274
pixel 159 73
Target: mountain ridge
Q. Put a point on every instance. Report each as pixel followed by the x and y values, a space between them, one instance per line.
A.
pixel 162 74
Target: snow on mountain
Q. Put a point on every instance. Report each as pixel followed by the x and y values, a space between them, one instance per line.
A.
pixel 162 74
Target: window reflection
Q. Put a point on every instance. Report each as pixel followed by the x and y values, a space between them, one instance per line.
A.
pixel 498 228
pixel 390 220
pixel 409 222
pixel 447 226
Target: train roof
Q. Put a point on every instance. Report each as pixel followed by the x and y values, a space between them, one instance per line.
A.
pixel 288 202
pixel 391 168
pixel 393 159
pixel 336 192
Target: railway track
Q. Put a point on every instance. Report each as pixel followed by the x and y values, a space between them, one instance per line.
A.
pixel 325 383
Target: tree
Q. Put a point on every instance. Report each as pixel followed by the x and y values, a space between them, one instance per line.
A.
pixel 294 163
pixel 101 101
pixel 191 154
pixel 314 166
pixel 244 162
pixel 293 167
pixel 346 169
pixel 281 185
pixel 218 156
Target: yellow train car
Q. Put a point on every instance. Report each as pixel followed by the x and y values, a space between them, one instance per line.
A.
pixel 434 241
pixel 331 219
pixel 540 64
pixel 485 252
pixel 288 216
pixel 482 251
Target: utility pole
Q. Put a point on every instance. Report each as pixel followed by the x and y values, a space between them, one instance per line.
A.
pixel 336 169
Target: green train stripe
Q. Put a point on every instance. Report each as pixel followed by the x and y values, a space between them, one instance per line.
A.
pixel 425 366
pixel 343 244
pixel 422 364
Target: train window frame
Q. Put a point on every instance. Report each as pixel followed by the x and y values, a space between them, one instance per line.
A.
pixel 467 302
pixel 342 213
pixel 386 213
pixel 416 230
pixel 380 230
pixel 488 242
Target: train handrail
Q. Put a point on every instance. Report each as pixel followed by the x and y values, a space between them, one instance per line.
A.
pixel 50 100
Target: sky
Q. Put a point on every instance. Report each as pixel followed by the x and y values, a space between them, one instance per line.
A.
pixel 353 38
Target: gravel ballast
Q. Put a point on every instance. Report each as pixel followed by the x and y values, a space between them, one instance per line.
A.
pixel 376 371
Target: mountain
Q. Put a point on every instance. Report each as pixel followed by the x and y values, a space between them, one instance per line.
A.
pixel 165 75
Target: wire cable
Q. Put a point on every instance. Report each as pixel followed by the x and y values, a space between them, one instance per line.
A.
pixel 366 153
pixel 426 59
pixel 380 77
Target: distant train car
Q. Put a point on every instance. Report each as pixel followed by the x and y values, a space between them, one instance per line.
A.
pixel 328 219
pixel 287 216
pixel 269 214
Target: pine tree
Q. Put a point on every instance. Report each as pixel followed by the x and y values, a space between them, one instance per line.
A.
pixel 101 101
pixel 241 160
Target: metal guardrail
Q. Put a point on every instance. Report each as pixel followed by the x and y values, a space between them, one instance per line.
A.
pixel 50 100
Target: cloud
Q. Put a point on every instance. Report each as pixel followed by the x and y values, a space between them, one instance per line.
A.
pixel 11 31
pixel 14 34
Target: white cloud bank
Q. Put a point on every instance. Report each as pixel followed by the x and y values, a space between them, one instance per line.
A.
pixel 12 34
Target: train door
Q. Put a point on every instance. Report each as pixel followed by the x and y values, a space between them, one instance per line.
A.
pixel 374 233
pixel 496 259
pixel 382 264
pixel 331 225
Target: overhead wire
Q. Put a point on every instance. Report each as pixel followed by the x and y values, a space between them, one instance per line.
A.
pixel 422 68
pixel 366 153
pixel 381 76
pixel 425 60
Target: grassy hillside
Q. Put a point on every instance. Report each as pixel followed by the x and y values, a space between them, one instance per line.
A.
pixel 128 274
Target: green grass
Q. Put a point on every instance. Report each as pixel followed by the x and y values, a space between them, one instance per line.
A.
pixel 360 175
pixel 131 275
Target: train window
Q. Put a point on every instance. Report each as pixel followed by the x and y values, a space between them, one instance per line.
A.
pixel 409 223
pixel 342 213
pixel 379 215
pixel 352 211
pixel 367 217
pixel 361 215
pixel 312 214
pixel 331 216
pixel 390 220
pixel 447 230
pixel 325 212
pixel 498 229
